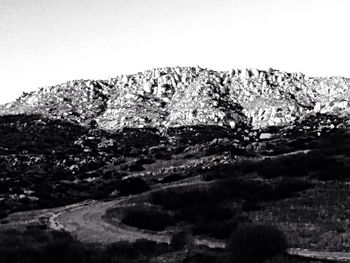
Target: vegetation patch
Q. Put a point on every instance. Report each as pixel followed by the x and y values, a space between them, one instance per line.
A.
pixel 315 219
pixel 38 246
pixel 148 218
pixel 215 209
pixel 256 243
pixel 132 186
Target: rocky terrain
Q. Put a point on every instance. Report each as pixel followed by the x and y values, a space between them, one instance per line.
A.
pixel 169 97
pixel 148 155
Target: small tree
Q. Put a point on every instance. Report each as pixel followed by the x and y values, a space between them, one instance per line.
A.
pixel 255 243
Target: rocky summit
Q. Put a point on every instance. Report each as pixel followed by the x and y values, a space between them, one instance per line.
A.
pixel 186 96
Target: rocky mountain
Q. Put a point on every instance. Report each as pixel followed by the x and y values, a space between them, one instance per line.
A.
pixel 185 96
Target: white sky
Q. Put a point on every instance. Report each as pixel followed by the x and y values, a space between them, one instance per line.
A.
pixel 46 42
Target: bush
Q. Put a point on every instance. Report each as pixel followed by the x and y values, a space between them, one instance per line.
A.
pixel 283 259
pixel 289 186
pixel 135 167
pixel 255 243
pixel 181 240
pixel 173 199
pixel 205 257
pixel 148 219
pixel 148 247
pixel 122 249
pixel 215 229
pixel 171 178
pixel 3 214
pixel 75 252
pixel 59 247
pixel 221 229
pixel 220 171
pixel 207 212
pixel 133 186
pixel 139 251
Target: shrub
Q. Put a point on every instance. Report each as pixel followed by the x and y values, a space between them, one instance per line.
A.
pixel 292 166
pixel 75 252
pixel 133 186
pixel 122 249
pixel 3 214
pixel 221 171
pixel 171 178
pixel 204 257
pixel 289 186
pixel 214 229
pixel 207 212
pixel 173 199
pixel 143 161
pixel 148 247
pixel 219 229
pixel 240 189
pixel 181 240
pixel 55 250
pixel 31 246
pixel 139 251
pixel 162 155
pixel 136 167
pixel 250 205
pixel 154 220
pixel 255 243
pixel 283 259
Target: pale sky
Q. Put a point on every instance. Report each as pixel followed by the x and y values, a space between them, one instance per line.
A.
pixel 46 42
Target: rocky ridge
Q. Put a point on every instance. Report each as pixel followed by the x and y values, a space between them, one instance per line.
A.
pixel 184 96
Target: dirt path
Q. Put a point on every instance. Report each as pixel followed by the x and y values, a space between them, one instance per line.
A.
pixel 86 222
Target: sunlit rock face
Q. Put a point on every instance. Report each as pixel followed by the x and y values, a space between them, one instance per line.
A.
pixel 168 97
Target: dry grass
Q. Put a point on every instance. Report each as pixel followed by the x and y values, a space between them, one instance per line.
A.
pixel 316 219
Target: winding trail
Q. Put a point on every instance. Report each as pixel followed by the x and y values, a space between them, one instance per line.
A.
pixel 88 224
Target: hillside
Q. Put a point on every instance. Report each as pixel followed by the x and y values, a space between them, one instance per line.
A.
pixel 170 97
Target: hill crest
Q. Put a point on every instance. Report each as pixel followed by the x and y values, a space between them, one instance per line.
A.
pixel 182 96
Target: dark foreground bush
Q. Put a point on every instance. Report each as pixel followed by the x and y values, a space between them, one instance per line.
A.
pixel 255 243
pixel 39 246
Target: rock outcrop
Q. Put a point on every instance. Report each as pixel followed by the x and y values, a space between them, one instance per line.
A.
pixel 170 97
